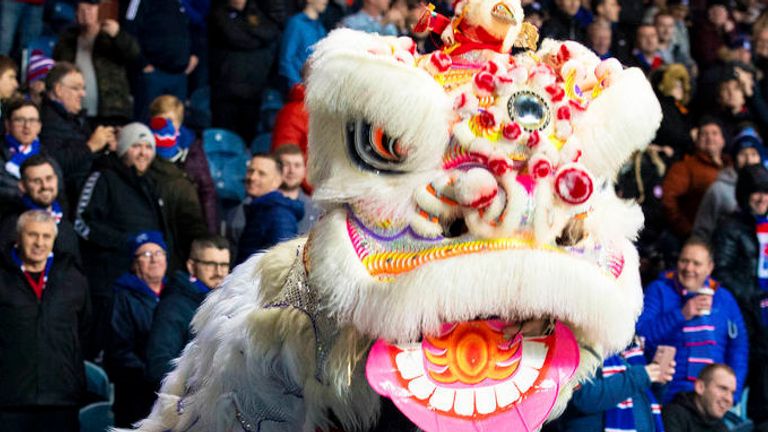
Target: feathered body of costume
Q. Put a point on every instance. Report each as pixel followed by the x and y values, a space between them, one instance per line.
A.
pixel 473 265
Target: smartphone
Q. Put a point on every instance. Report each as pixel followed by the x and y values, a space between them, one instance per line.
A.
pixel 665 355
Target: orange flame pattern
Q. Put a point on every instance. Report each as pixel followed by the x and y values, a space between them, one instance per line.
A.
pixel 471 353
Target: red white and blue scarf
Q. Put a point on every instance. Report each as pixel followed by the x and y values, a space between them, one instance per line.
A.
pixel 621 418
pixel 55 209
pixel 19 154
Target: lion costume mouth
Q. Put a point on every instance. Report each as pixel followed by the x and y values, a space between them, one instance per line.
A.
pixel 476 375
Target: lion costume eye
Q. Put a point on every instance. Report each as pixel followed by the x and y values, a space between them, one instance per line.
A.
pixel 372 149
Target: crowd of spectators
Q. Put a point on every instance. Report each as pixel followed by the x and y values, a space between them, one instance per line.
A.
pixel 109 214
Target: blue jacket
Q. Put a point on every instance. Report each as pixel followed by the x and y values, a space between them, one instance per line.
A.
pixel 269 219
pixel 132 314
pixel 300 35
pixel 586 409
pixel 170 326
pixel 662 322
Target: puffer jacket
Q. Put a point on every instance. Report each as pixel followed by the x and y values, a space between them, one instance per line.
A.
pixel 736 253
pixel 111 58
pixel 269 219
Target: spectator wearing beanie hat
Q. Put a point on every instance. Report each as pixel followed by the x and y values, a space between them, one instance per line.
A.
pixel 720 198
pixel 37 70
pixel 738 243
pixel 117 200
pixel 137 293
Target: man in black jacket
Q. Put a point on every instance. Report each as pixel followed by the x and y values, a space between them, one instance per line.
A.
pixel 703 409
pixel 117 202
pixel 65 134
pixel 167 55
pixel 562 24
pixel 207 266
pixel 43 315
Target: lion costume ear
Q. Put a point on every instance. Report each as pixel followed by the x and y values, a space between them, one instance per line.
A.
pixel 622 120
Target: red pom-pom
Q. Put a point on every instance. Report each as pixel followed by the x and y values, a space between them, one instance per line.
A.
pixel 484 81
pixel 541 168
pixel 555 92
pixel 158 122
pixel 486 119
pixel 564 113
pixel 511 131
pixel 441 61
pixel 573 185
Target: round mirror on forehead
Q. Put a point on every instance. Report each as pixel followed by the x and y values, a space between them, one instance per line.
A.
pixel 528 110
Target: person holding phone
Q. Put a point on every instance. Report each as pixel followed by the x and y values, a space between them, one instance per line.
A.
pixel 690 311
pixel 619 397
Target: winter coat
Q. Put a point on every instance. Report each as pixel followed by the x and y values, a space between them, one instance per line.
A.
pixel 562 27
pixel 736 253
pixel 718 202
pixel 9 185
pixel 675 128
pixel 182 209
pixel 292 122
pixel 111 58
pixel 64 137
pixel 170 326
pixel 586 409
pixel 163 31
pixel 300 35
pixel 197 169
pixel 756 318
pixel 684 186
pixel 269 219
pixel 662 323
pixel 682 415
pixel 115 205
pixel 125 357
pixel 41 361
pixel 242 50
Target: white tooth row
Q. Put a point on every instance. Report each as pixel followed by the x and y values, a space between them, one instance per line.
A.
pixel 467 401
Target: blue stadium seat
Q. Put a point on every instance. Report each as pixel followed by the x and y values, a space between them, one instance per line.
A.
pixel 97 416
pixel 261 144
pixel 198 113
pixel 228 159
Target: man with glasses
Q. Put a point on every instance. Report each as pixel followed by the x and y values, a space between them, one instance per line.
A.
pixel 22 126
pixel 65 132
pixel 136 295
pixel 206 268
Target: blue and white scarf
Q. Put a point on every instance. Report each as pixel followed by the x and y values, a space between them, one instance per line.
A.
pixel 19 154
pixel 698 333
pixel 622 418
pixel 55 209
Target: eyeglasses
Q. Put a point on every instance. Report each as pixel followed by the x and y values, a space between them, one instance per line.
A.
pixel 25 121
pixel 212 264
pixel 146 256
pixel 77 88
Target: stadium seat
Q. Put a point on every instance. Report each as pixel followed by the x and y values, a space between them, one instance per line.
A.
pixel 227 159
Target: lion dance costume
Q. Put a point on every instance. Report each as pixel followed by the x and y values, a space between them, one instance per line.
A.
pixel 473 264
